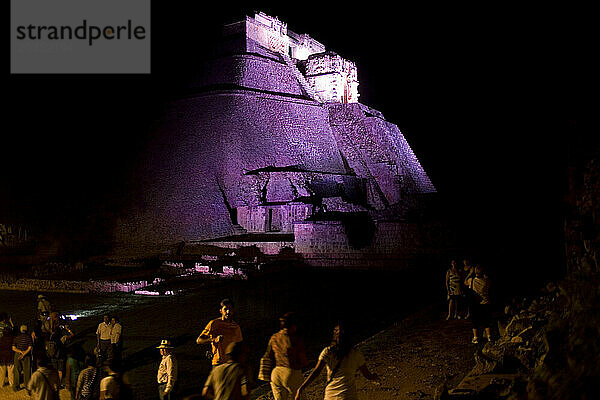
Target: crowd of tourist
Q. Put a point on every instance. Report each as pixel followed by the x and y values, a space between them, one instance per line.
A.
pixel 46 347
pixel 43 360
pixel 42 345
pixel 468 295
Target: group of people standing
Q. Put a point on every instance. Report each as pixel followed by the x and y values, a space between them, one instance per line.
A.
pixel 47 350
pixel 43 345
pixel 99 375
pixel 468 295
pixel 109 343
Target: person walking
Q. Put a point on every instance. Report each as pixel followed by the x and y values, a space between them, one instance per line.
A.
pixel 44 382
pixel 22 347
pixel 286 347
pixel 342 360
pixel 453 290
pixel 229 380
pixel 221 332
pixel 167 371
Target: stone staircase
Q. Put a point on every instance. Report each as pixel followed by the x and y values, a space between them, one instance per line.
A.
pixel 306 88
pixel 239 230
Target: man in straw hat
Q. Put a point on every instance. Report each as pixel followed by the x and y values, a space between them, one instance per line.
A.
pixel 167 370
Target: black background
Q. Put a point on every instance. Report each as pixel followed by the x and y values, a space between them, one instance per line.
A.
pixel 483 94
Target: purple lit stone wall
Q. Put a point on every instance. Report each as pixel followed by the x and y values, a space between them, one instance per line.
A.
pixel 250 152
pixel 212 141
pixel 254 218
pixel 252 71
pixel 379 150
pixel 325 244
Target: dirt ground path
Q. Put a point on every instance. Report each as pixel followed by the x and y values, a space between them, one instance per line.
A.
pixel 413 358
pixel 6 393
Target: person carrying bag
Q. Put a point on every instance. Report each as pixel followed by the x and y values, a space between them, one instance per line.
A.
pixel 284 359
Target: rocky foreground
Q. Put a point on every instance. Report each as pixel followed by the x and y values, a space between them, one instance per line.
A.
pixel 547 346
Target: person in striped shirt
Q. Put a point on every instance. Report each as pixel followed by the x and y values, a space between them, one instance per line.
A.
pixel 88 382
pixel 22 346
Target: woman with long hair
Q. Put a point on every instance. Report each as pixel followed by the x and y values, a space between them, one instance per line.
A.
pixel 342 360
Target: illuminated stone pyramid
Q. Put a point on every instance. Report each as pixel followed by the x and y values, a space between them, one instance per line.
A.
pixel 272 140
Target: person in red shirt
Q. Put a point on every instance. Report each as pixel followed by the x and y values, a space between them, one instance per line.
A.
pixel 286 347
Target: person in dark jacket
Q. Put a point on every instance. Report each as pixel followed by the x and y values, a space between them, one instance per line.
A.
pixel 6 353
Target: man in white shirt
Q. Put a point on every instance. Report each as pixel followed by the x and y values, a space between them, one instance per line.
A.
pixel 116 341
pixel 44 381
pixel 103 339
pixel 167 371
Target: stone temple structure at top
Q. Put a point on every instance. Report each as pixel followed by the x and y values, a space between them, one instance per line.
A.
pixel 272 148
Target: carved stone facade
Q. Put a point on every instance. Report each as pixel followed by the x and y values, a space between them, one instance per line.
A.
pixel 260 147
pixel 334 79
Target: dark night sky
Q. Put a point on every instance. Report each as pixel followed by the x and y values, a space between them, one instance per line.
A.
pixel 485 97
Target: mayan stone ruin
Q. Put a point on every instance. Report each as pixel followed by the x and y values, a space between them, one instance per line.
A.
pixel 272 148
